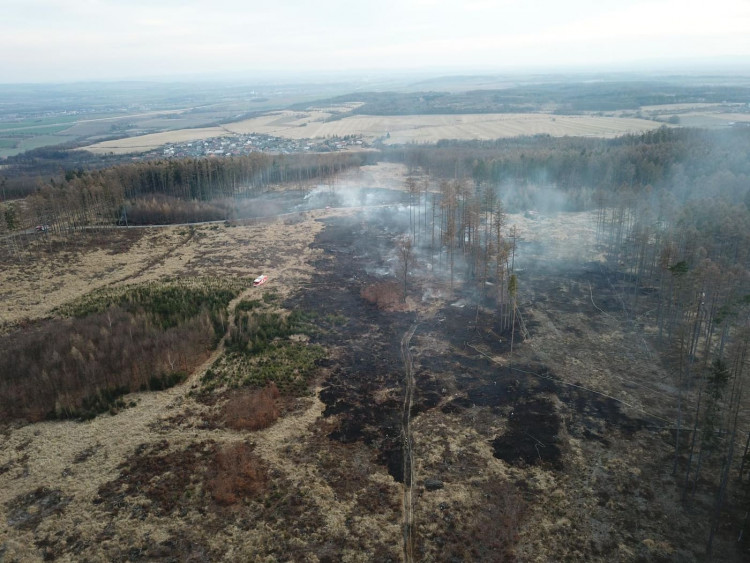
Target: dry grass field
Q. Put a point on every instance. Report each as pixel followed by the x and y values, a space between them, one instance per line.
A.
pixel 52 272
pixel 712 119
pixel 78 458
pixel 705 115
pixel 402 128
pixel 142 143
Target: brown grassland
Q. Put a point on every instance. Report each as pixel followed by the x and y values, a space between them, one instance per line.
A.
pixel 79 458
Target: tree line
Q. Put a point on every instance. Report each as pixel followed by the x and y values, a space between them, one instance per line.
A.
pixel 461 228
pixel 688 263
pixel 82 199
pixel 688 163
pixel 569 98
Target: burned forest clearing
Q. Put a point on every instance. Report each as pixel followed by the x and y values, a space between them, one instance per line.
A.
pixel 425 376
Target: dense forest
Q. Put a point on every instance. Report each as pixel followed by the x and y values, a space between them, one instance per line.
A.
pixel 166 191
pixel 686 163
pixel 110 343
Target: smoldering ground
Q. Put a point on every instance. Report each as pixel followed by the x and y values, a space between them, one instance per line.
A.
pixel 520 409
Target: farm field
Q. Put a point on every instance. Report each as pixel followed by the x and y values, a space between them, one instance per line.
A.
pixel 149 115
pixel 37 116
pixel 402 129
pixel 18 136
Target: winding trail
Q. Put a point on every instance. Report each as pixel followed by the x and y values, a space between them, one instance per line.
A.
pixel 408 501
pixel 220 349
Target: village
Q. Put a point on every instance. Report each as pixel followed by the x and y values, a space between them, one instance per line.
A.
pixel 238 145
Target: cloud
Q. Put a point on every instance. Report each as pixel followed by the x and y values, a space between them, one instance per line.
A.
pixel 53 39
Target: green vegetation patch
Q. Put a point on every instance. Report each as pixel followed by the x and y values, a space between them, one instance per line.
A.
pixel 35 130
pixel 287 364
pixel 59 121
pixel 255 329
pixel 569 98
pixel 265 345
pixel 167 303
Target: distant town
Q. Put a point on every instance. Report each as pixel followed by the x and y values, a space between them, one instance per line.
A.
pixel 237 145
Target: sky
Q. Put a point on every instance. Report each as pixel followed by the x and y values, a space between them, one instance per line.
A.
pixel 82 40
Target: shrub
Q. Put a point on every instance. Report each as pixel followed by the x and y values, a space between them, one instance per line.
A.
pixel 167 303
pixel 165 381
pixel 237 474
pixel 248 305
pixel 255 328
pixel 270 297
pixel 252 409
pixel 385 294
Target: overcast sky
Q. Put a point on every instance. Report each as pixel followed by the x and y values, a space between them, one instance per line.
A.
pixel 71 40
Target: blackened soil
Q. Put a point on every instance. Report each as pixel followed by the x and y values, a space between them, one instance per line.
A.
pixel 369 360
pixel 462 325
pixel 428 392
pixel 532 435
pixel 27 511
pixel 365 390
pixel 521 394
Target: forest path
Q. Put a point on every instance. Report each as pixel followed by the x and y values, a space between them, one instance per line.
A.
pixel 408 501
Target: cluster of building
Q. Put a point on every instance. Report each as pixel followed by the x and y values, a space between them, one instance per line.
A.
pixel 237 145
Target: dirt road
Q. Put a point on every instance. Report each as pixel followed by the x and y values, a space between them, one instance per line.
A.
pixel 408 526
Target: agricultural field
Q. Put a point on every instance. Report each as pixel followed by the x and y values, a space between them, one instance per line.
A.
pixel 399 129
pixel 34 116
pixel 338 418
pixel 705 115
pixel 21 136
pixel 137 118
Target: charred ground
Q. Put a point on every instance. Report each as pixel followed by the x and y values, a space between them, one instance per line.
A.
pixel 543 425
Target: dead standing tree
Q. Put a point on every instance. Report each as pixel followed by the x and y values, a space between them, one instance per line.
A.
pixel 413 188
pixel 512 290
pixel 449 229
pixel 404 247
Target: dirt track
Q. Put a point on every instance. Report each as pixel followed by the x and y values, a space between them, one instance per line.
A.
pixel 408 440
